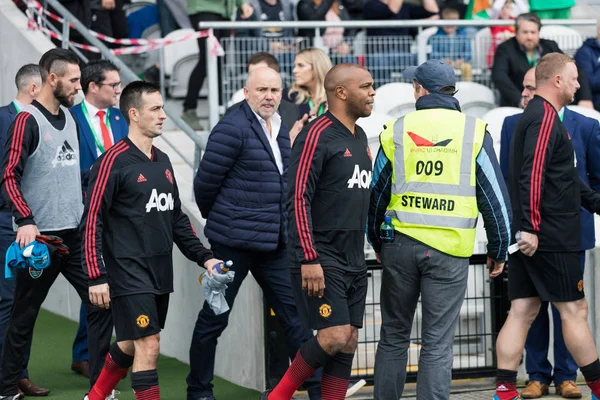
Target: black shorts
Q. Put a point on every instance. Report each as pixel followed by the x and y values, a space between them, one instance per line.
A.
pixel 343 301
pixel 550 276
pixel 139 315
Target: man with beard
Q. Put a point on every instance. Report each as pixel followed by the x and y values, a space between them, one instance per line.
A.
pixel 41 183
pixel 328 198
pixel 547 194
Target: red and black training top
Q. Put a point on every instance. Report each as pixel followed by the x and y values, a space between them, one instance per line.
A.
pixel 328 195
pixel 545 189
pixel 132 217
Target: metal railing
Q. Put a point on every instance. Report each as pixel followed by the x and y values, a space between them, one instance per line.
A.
pixel 483 313
pixel 127 75
pixel 385 57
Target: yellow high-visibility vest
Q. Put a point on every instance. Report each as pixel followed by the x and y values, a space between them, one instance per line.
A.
pixel 433 197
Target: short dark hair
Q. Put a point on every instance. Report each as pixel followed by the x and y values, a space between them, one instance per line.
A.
pixel 56 61
pixel 131 97
pixel 95 71
pixel 531 17
pixel 25 74
pixel 263 56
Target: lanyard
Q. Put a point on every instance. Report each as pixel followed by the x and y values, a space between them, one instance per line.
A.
pixel 87 117
pixel 532 60
pixel 561 114
pixel 17 107
pixel 321 107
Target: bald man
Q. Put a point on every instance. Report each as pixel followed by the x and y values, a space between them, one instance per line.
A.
pixel 240 189
pixel 330 176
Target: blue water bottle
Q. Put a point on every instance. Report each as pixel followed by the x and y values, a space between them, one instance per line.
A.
pixel 387 231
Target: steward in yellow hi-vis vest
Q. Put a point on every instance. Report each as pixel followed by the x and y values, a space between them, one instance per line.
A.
pixel 433 186
pixel 435 172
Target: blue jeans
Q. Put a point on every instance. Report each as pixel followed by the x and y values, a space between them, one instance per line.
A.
pixel 7 286
pixel 272 273
pixel 80 344
pixel 412 269
pixel 538 341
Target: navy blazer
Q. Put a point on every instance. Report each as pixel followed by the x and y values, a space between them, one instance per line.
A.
pixel 585 134
pixel 87 145
pixel 7 116
pixel 238 187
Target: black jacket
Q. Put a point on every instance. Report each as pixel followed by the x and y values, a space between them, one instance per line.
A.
pixel 132 218
pixel 328 195
pixel 545 189
pixel 511 65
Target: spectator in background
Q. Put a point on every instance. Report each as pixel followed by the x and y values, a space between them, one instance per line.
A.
pixel 331 11
pixel 199 11
pixel 452 44
pixel 172 15
pixel 552 9
pixel 108 18
pixel 393 53
pixel 588 60
pixel 500 33
pixel 307 91
pixel 517 55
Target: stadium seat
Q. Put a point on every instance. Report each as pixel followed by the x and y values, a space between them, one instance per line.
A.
pixel 568 39
pixel 236 98
pixel 480 47
pixel 373 126
pixel 394 99
pixel 495 119
pixel 475 99
pixel 180 60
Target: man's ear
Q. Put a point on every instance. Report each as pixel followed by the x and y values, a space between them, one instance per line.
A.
pixel 341 93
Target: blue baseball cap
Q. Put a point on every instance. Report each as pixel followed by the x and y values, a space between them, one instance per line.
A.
pixel 433 75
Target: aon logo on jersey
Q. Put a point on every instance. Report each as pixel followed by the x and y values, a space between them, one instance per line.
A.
pixel 162 202
pixel 361 178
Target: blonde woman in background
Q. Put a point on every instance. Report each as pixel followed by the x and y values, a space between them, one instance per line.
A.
pixel 307 91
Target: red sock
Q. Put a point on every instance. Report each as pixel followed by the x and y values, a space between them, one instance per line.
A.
pixel 506 390
pixel 295 376
pixel 333 388
pixel 109 377
pixel 595 387
pixel 152 393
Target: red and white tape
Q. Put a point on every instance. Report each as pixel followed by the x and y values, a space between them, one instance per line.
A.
pixel 136 46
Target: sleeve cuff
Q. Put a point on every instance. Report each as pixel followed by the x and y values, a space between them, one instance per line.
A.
pixel 204 257
pixel 98 281
pixel 25 221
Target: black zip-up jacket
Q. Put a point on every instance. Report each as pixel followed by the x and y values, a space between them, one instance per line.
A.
pixel 545 189
pixel 132 217
pixel 328 195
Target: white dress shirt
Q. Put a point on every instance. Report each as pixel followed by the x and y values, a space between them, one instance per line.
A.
pixel 95 120
pixel 272 137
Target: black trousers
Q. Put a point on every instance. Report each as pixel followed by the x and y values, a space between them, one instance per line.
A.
pixel 199 72
pixel 29 295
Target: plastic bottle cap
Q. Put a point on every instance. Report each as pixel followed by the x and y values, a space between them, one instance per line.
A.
pixel 388 219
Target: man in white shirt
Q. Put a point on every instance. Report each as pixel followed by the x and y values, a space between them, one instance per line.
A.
pixel 241 190
pixel 100 125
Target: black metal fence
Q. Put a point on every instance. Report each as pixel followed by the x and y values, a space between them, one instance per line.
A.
pixel 482 315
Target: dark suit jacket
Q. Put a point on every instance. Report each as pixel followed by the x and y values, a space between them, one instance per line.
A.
pixel 585 134
pixel 511 65
pixel 7 116
pixel 288 112
pixel 87 144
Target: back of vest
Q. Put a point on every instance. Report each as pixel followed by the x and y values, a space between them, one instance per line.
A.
pixel 51 182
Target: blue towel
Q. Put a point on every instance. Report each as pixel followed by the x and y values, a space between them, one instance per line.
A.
pixel 214 290
pixel 34 255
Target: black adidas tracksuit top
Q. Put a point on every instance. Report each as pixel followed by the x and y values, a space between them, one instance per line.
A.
pixel 545 189
pixel 132 217
pixel 328 195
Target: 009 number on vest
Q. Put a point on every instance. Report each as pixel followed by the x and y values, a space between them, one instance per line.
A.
pixel 429 167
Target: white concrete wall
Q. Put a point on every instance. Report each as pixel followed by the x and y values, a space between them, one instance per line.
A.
pixel 18 46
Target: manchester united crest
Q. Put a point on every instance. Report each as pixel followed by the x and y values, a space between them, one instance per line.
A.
pixel 169 175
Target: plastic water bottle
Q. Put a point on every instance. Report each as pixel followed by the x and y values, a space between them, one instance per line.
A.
pixel 223 267
pixel 220 268
pixel 387 231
